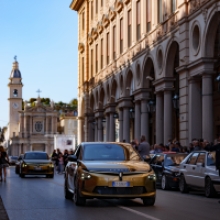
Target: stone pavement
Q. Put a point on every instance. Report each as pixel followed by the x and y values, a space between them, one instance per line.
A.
pixel 3 213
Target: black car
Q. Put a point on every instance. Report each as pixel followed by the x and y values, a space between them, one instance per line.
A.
pixel 166 168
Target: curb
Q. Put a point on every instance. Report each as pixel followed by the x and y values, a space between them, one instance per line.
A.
pixel 3 213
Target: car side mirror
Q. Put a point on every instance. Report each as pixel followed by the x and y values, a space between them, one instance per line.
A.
pixel 72 158
pixel 200 164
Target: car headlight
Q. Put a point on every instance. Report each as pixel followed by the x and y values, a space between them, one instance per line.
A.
pixel 152 177
pixel 24 165
pixel 51 166
pixel 85 176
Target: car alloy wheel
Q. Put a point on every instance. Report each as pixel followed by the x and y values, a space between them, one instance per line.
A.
pixel 182 185
pixel 209 189
pixel 164 183
pixel 149 201
pixel 67 193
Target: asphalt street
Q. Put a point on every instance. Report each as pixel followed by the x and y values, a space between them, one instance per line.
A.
pixel 40 198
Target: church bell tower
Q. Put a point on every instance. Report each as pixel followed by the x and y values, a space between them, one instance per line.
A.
pixel 15 98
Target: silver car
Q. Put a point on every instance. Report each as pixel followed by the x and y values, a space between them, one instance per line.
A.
pixel 198 171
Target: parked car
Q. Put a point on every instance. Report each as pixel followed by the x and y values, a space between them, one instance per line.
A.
pixel 198 171
pixel 166 168
pixel 36 163
pixel 17 164
pixel 13 160
pixel 108 170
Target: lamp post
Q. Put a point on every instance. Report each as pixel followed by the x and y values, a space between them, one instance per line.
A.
pixel 176 107
pixel 217 79
pixel 151 105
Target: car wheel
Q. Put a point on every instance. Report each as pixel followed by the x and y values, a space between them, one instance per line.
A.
pixel 209 189
pixel 67 193
pixel 78 200
pixel 16 170
pixel 21 175
pixel 149 201
pixel 182 185
pixel 164 183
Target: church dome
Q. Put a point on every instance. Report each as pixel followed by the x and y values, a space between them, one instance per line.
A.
pixel 15 73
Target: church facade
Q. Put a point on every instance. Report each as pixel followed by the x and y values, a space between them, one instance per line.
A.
pixel 30 128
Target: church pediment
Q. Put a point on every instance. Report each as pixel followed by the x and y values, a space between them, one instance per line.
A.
pixel 39 109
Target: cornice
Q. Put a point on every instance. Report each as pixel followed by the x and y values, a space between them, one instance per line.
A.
pixel 75 4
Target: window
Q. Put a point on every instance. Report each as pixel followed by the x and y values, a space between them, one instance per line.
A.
pixel 138 20
pixel 15 93
pixel 83 21
pixel 129 28
pixel 121 35
pixel 96 7
pixel 96 58
pixel 211 159
pixel 192 159
pixel 107 49
pixel 114 42
pixel 38 126
pixel 201 158
pixel 149 9
pixel 173 6
pixel 101 53
pixel 160 11
pixel 91 63
pixel 91 10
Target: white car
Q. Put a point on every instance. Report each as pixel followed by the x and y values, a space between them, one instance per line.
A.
pixel 198 171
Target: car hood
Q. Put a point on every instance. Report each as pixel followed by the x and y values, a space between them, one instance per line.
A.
pixel 172 168
pixel 30 161
pixel 116 166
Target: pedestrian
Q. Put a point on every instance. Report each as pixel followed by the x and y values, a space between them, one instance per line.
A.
pixel 60 164
pixel 196 145
pixel 54 158
pixel 4 163
pixel 65 157
pixel 215 148
pixel 144 147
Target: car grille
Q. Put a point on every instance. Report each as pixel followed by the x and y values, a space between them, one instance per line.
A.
pixel 103 190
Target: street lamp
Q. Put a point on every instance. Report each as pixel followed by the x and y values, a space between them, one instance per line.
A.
pixel 217 79
pixel 151 105
pixel 115 115
pixel 176 102
pixel 131 112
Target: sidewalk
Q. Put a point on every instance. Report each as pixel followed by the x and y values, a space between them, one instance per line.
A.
pixel 3 213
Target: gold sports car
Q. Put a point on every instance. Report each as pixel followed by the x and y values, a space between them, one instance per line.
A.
pixel 108 170
pixel 35 163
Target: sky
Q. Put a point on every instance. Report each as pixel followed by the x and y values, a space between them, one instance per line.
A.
pixel 43 36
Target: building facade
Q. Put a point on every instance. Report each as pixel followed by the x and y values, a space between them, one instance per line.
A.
pixel 150 67
pixel 30 128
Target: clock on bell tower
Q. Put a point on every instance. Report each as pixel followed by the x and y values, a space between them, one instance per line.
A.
pixel 15 98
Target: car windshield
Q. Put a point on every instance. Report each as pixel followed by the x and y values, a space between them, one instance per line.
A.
pixel 14 158
pixel 36 156
pixel 109 152
pixel 211 159
pixel 174 160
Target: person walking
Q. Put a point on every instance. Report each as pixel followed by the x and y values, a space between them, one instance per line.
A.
pixel 144 147
pixel 4 162
pixel 215 148
pixel 54 158
pixel 65 157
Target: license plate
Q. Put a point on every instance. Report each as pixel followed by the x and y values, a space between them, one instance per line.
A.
pixel 37 168
pixel 120 184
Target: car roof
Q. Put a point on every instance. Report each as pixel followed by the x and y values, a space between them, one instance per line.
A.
pixel 35 152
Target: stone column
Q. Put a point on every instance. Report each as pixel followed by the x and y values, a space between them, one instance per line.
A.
pixel 120 125
pixel 207 108
pixel 52 124
pixel 168 110
pixel 90 131
pixel 55 125
pixel 80 130
pixel 159 118
pixel 137 120
pixel 145 120
pixel 107 127
pixel 100 130
pixel 47 125
pixel 96 129
pixel 112 127
pixel 195 110
pixel 31 127
pixel 126 125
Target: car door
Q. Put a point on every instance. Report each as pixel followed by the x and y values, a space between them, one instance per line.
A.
pixel 199 170
pixel 72 168
pixel 157 165
pixel 189 167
